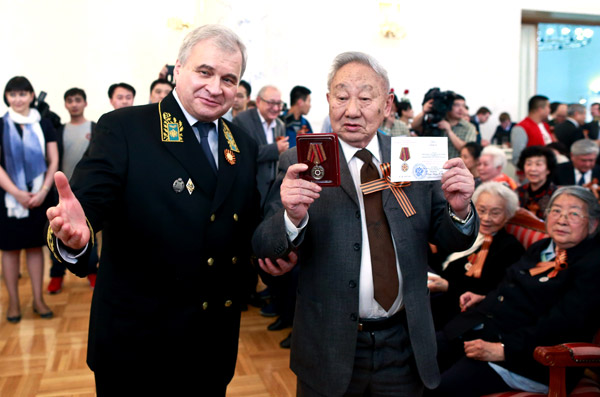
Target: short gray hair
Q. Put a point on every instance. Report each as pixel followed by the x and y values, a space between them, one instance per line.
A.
pixel 225 39
pixel 498 155
pixel 508 196
pixel 575 108
pixel 263 89
pixel 583 194
pixel 584 147
pixel 359 57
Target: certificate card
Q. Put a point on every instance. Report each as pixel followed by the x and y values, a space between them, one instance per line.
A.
pixel 418 158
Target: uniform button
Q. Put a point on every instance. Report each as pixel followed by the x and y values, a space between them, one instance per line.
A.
pixel 353 317
pixel 356 247
pixel 352 284
pixel 212 218
pixel 357 214
pixel 235 217
pixel 489 315
pixel 500 298
pixel 234 260
pixel 205 306
pixel 210 261
pixel 228 303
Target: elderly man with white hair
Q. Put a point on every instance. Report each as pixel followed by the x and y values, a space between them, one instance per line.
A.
pixel 491 164
pixel 582 169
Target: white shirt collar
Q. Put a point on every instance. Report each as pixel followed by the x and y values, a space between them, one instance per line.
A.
pixel 373 147
pixel 264 122
pixel 191 119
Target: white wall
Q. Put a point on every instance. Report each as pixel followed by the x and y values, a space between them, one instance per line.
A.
pixel 468 46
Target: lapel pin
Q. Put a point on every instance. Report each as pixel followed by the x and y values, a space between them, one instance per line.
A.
pixel 178 185
pixel 190 186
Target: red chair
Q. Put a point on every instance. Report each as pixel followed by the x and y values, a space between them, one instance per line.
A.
pixel 557 359
pixel 526 227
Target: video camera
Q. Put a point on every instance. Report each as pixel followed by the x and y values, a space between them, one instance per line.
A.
pixel 45 111
pixel 442 104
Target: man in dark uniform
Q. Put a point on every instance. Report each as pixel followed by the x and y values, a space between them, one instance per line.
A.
pixel 173 187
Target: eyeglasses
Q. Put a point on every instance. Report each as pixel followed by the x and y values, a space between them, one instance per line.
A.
pixel 573 217
pixel 275 104
pixel 494 213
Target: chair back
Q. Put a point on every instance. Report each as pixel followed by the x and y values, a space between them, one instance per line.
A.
pixel 526 227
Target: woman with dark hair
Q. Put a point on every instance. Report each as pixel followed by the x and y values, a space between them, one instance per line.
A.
pixel 470 155
pixel 28 161
pixel 538 164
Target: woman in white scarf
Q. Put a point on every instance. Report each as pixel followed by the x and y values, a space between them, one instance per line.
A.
pixel 28 161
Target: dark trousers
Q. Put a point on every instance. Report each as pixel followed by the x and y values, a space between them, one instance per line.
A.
pixel 135 383
pixel 384 365
pixel 462 376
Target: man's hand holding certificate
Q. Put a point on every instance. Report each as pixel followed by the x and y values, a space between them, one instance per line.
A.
pixel 417 159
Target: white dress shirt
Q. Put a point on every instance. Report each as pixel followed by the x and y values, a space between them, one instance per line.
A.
pixel 268 128
pixel 213 135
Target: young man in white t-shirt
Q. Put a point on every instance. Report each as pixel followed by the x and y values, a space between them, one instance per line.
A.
pixel 73 140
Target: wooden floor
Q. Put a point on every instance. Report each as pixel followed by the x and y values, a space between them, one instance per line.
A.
pixel 47 357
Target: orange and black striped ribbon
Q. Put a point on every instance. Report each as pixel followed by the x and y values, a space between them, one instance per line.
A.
pixel 477 260
pixel 395 187
pixel 559 263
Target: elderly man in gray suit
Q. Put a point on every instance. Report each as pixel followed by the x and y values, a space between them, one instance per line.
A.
pixel 263 125
pixel 363 322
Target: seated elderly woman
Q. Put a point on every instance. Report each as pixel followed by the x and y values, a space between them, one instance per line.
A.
pixel 480 268
pixel 549 296
pixel 491 163
pixel 538 164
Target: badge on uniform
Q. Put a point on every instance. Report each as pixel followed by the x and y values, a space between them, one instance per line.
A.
pixel 230 141
pixel 190 186
pixel 171 128
pixel 229 156
pixel 178 185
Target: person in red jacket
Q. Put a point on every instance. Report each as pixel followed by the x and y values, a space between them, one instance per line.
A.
pixel 533 129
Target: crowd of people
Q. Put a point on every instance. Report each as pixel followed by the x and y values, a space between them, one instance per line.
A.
pixel 199 191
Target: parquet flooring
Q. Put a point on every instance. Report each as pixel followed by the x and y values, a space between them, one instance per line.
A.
pixel 46 358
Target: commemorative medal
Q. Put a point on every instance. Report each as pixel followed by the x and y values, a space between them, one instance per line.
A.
pixel 178 185
pixel 316 155
pixel 190 186
pixel 404 156
pixel 230 156
pixel 468 266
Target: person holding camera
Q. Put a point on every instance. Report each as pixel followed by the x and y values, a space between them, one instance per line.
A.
pixel 442 116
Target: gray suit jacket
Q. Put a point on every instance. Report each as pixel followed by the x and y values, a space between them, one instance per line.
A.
pixel 329 249
pixel 268 155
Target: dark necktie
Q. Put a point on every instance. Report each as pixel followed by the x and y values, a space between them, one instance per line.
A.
pixel 581 180
pixel 383 257
pixel 204 129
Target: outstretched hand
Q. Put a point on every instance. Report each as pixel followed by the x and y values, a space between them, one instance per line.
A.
pixel 67 219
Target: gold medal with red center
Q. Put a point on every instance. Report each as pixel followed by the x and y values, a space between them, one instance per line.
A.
pixel 316 155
